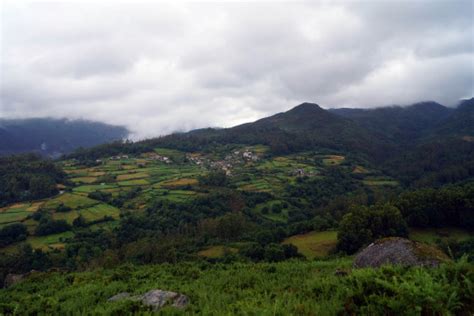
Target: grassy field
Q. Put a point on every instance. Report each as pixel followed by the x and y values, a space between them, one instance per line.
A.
pixel 314 244
pixel 216 251
pixel 285 288
pixel 74 201
pixel 50 242
pixel 332 160
pixel 130 176
pixel 431 235
pixel 79 180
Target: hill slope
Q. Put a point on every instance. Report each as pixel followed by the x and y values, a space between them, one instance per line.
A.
pixel 399 124
pixel 53 137
pixel 305 127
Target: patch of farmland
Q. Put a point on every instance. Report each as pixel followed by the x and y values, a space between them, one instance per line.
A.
pixel 432 235
pixel 96 173
pixel 379 181
pixel 179 182
pixel 132 176
pixel 71 200
pixel 360 170
pixel 217 252
pixel 281 216
pixel 12 216
pixel 133 182
pixel 98 211
pixel 177 195
pixel 17 212
pixel 69 216
pixel 93 187
pixel 257 186
pixel 87 180
pixel 174 155
pixel 314 244
pixel 333 160
pixel 50 242
pixel 77 172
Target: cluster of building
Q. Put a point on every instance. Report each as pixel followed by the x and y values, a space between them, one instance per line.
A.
pixel 226 165
pixel 198 160
pixel 159 158
pixel 118 157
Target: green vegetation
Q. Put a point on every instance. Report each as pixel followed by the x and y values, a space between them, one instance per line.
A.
pixel 286 288
pixel 217 252
pixel 259 219
pixel 27 177
pixel 433 235
pixel 363 225
pixel 314 244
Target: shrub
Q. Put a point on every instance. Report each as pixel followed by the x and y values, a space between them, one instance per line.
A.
pixel 363 225
pixel 12 233
pixel 48 227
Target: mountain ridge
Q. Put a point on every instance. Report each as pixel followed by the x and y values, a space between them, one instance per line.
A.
pixel 54 137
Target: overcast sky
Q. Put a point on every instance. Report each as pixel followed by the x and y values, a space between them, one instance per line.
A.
pixel 159 68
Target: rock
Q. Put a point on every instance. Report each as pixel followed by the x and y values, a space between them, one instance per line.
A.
pixel 340 272
pixel 399 251
pixel 155 298
pixel 159 298
pixel 119 297
pixel 12 279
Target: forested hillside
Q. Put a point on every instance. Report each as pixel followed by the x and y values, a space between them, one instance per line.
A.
pixel 291 197
pixel 54 137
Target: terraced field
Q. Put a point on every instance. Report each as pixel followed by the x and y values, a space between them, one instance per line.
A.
pixel 175 179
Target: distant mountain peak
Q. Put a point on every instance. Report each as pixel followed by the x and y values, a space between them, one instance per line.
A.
pixel 306 107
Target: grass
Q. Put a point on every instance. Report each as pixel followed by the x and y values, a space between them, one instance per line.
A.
pixel 360 170
pixel 431 235
pixel 99 211
pixel 380 182
pixel 74 201
pixel 285 288
pixel 333 160
pixel 130 176
pixel 92 188
pixel 12 216
pixel 216 251
pixel 277 217
pixel 314 244
pixel 180 182
pixel 67 216
pixel 50 242
pixel 133 182
pixel 45 243
pixel 84 180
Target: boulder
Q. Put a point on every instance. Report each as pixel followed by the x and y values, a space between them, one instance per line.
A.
pixel 159 298
pixel 155 298
pixel 399 251
pixel 119 297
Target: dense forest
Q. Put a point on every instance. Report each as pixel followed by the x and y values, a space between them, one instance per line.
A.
pixel 28 177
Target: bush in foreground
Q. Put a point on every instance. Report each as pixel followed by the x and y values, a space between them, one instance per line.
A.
pixel 284 288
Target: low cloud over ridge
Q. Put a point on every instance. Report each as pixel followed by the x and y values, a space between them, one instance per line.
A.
pixel 160 68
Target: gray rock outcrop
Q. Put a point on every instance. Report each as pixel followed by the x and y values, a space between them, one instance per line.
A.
pixel 155 298
pixel 399 251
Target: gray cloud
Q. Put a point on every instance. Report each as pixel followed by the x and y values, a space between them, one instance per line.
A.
pixel 159 68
